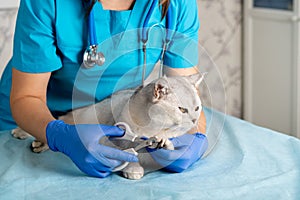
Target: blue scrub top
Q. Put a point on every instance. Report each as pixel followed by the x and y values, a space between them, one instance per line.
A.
pixel 52 35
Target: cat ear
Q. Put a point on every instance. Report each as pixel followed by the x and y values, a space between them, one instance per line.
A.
pixel 196 79
pixel 160 89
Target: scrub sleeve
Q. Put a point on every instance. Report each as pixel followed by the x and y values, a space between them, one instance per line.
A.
pixel 183 49
pixel 34 49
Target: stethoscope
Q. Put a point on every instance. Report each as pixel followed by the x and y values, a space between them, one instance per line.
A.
pixel 92 57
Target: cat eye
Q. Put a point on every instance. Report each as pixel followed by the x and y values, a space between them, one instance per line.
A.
pixel 183 110
pixel 197 108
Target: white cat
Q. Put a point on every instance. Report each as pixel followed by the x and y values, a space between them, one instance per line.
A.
pixel 165 108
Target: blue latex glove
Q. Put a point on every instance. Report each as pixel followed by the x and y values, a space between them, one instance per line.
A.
pixel 188 149
pixel 81 144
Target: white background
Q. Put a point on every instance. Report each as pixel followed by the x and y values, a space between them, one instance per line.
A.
pixel 9 3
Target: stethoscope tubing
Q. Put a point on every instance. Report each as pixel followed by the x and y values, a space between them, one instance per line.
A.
pixel 168 25
pixel 93 34
pixel 146 22
pixel 92 29
pixel 93 54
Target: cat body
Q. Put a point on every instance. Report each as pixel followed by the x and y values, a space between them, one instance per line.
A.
pixel 165 108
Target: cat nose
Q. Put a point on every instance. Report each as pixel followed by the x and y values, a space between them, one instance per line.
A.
pixel 194 120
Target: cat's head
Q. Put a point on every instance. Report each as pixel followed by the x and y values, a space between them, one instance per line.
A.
pixel 169 105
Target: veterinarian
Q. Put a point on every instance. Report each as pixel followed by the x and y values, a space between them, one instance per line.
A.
pixel 49 76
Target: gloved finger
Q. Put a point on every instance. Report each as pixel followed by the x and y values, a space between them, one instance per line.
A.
pixel 112 131
pixel 188 139
pixel 103 170
pixel 101 160
pixel 168 155
pixel 107 164
pixel 177 160
pixel 120 155
pixel 97 171
pixel 183 140
pixel 164 157
pixel 93 167
pixel 100 174
pixel 186 152
pixel 116 154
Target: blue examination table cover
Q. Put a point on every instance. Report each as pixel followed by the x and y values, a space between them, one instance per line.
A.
pixel 247 162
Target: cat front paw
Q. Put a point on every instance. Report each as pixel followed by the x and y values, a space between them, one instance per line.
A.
pixel 20 133
pixel 133 171
pixel 38 147
pixel 164 143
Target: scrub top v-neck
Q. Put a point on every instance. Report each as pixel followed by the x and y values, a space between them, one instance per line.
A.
pixel 52 35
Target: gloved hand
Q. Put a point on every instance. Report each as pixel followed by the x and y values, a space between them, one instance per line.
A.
pixel 81 143
pixel 188 149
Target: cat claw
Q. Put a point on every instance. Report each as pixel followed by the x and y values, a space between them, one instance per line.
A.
pixel 38 147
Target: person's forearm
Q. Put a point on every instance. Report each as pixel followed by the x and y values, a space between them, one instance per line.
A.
pixel 32 115
pixel 28 102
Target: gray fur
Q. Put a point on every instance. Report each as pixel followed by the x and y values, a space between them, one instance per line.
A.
pixel 167 107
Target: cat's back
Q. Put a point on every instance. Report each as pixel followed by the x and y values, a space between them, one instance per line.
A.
pixel 103 112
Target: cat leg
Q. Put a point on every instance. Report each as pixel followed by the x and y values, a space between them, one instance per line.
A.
pixel 20 133
pixel 133 171
pixel 36 146
pixel 39 147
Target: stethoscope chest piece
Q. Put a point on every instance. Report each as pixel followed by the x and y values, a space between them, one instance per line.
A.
pixel 92 57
